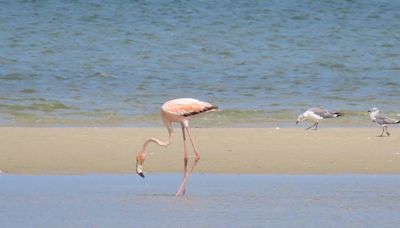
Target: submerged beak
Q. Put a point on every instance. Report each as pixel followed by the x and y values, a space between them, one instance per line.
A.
pixel 141 174
pixel 139 170
pixel 139 162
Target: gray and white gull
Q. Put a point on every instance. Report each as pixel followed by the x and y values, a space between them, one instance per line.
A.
pixel 315 115
pixel 382 120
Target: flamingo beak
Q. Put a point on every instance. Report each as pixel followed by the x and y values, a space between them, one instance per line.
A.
pixel 139 170
pixel 139 162
pixel 141 174
pixel 297 122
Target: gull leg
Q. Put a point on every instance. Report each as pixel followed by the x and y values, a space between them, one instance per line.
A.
pixel 311 126
pixel 388 134
pixel 316 126
pixel 383 130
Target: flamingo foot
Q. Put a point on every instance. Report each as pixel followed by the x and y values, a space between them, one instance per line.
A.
pixel 180 193
pixel 182 189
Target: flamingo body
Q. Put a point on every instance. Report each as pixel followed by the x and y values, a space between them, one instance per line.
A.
pixel 185 107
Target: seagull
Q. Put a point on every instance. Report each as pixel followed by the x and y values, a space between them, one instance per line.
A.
pixel 381 120
pixel 316 114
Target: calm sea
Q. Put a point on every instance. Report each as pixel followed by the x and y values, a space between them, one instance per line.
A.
pixel 115 62
pixel 210 201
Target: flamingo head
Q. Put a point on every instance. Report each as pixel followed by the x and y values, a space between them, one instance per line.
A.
pixel 139 163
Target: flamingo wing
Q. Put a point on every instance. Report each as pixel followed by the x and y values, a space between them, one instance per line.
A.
pixel 187 107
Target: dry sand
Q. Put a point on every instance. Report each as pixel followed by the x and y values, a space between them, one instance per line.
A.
pixel 223 150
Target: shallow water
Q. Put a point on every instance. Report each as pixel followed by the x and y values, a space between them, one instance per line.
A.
pixel 115 63
pixel 211 201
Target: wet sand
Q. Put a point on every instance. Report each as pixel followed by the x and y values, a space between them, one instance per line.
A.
pixel 223 150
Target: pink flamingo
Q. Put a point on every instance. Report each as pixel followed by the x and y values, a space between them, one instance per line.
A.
pixel 177 110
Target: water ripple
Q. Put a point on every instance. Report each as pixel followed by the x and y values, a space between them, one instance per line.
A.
pixel 120 61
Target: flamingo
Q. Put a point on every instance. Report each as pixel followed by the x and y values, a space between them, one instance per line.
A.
pixel 178 111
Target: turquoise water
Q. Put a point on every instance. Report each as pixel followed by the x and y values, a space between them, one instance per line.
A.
pixel 211 201
pixel 116 62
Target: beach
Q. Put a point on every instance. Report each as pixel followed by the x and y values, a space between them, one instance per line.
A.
pixel 223 150
pixel 278 177
pixel 82 84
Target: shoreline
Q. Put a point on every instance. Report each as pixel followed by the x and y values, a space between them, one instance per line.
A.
pixel 106 150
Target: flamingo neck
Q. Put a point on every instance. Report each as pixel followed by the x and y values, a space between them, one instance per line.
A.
pixel 168 124
pixel 158 141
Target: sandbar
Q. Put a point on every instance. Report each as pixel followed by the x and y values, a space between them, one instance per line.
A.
pixel 42 150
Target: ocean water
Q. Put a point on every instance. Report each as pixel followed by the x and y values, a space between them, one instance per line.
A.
pixel 211 201
pixel 115 62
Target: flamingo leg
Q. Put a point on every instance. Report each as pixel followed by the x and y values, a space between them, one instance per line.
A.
pixel 316 126
pixel 181 190
pixel 197 158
